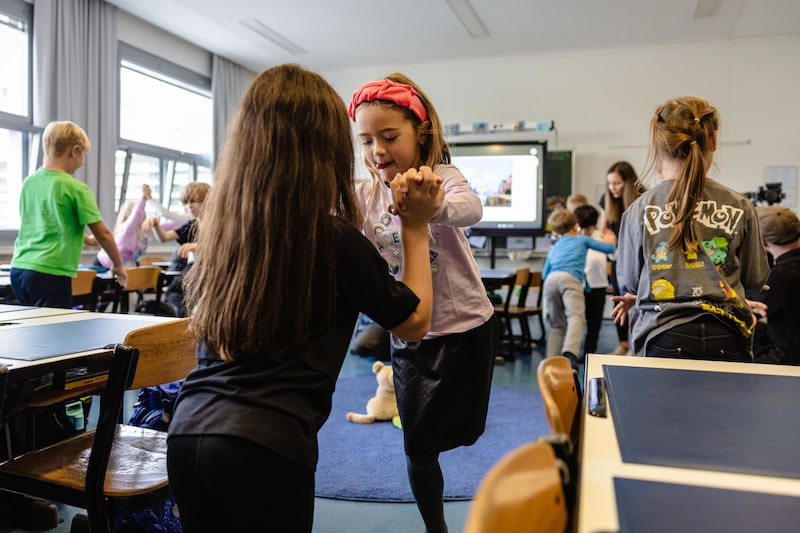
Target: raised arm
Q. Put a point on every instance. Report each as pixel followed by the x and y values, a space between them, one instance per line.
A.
pixel 154 224
pixel 418 196
pixel 166 213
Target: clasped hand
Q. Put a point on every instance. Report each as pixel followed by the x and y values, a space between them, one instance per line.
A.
pixel 417 195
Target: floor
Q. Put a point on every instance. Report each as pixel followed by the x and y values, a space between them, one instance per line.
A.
pixel 338 516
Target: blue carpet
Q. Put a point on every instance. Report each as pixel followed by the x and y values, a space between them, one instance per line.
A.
pixel 365 462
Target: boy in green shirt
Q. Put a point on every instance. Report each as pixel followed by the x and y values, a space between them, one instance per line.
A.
pixel 54 210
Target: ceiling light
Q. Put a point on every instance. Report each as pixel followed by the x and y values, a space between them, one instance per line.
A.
pixel 469 18
pixel 705 8
pixel 273 36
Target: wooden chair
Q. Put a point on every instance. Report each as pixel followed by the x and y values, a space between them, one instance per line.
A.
pixel 562 394
pixel 140 280
pixel 521 311
pixel 508 310
pixel 527 311
pixel 507 286
pixel 523 492
pixel 115 469
pixel 150 259
pixel 83 289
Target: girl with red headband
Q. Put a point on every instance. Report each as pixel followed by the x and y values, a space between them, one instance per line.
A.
pixel 442 382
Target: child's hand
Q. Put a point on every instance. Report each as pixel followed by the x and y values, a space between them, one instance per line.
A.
pixel 622 305
pixel 608 236
pixel 187 248
pixel 418 195
pixel 149 223
pixel 146 192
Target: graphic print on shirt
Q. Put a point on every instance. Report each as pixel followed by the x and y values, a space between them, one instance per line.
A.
pixel 388 242
pixel 662 290
pixel 718 298
pixel 660 253
pixel 717 249
pixel 708 213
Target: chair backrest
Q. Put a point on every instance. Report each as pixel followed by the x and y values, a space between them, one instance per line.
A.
pixel 523 492
pixel 522 280
pixel 535 284
pixel 83 283
pixel 149 260
pixel 142 278
pixel 561 392
pixel 507 284
pixel 167 352
pixel 151 355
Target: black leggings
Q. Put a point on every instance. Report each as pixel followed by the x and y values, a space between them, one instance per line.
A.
pixel 427 485
pixel 622 331
pixel 230 484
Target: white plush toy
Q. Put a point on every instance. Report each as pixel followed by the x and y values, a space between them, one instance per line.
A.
pixel 382 406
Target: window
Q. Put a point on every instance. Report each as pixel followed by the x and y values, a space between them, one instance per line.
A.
pixel 18 138
pixel 166 136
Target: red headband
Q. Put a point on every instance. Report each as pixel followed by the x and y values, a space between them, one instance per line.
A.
pixel 397 93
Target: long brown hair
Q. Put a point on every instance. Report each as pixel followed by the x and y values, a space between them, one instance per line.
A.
pixel 631 190
pixel 682 131
pixel 284 178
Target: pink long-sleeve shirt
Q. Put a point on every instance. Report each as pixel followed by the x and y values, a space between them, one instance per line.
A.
pixel 131 242
pixel 459 297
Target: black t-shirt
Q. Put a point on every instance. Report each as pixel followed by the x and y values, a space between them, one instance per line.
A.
pixel 186 233
pixel 281 401
pixel 783 311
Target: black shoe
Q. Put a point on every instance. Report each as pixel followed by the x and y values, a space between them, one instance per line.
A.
pixel 573 359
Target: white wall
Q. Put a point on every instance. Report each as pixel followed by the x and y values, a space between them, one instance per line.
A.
pixel 602 101
pixel 136 32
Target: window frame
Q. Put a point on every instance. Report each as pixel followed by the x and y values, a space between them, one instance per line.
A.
pixel 31 135
pixel 171 73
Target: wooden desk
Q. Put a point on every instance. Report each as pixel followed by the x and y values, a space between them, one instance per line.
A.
pixel 755 496
pixel 9 314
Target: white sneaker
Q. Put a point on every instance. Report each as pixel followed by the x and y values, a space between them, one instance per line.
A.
pixel 619 350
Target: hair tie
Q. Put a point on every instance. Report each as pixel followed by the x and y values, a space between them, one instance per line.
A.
pixel 696 119
pixel 397 93
pixel 693 142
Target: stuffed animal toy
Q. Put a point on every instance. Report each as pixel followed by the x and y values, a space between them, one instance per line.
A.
pixel 382 406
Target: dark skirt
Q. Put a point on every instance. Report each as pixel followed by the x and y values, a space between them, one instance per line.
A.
pixel 443 386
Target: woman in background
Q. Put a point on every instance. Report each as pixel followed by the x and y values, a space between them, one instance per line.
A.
pixel 622 188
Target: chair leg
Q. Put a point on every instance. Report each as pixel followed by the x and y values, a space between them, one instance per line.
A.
pixel 510 332
pixel 541 341
pixel 525 327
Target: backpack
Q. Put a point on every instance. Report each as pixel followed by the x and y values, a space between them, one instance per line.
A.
pixel 153 409
pixel 151 307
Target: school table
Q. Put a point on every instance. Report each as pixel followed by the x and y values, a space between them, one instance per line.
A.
pixel 45 358
pixel 5 287
pixel 494 279
pixel 689 445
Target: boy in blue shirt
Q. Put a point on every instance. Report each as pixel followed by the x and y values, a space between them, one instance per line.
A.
pixel 564 283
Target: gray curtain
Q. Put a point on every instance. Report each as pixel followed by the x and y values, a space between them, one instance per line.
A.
pixel 75 78
pixel 229 82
